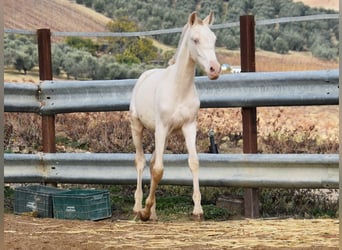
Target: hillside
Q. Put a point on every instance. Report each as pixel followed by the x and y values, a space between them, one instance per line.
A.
pixel 58 15
pixel 64 15
pixel 271 62
pixel 327 4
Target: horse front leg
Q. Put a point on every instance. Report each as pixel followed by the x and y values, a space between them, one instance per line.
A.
pixel 157 170
pixel 189 131
pixel 137 131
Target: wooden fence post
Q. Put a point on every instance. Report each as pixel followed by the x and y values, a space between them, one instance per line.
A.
pixel 45 73
pixel 249 115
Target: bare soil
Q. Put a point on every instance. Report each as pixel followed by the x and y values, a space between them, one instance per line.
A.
pixel 58 15
pixel 327 4
pixel 24 232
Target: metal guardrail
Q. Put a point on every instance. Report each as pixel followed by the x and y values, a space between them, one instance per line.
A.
pixel 237 90
pixel 233 90
pixel 86 96
pixel 270 89
pixel 21 97
pixel 242 170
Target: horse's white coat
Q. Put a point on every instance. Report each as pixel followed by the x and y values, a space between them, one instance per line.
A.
pixel 166 100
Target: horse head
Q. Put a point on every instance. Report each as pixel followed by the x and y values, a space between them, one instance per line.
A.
pixel 201 44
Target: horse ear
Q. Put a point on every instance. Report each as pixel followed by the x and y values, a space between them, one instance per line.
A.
pixel 209 20
pixel 192 18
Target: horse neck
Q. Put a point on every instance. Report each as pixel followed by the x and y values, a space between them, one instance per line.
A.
pixel 184 65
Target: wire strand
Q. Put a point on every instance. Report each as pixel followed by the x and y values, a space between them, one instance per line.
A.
pixel 176 30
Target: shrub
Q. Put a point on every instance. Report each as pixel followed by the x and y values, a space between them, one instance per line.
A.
pixel 324 52
pixel 281 46
pixel 265 42
pixel 82 44
pixel 303 203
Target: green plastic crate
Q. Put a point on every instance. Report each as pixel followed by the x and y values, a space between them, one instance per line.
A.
pixel 82 204
pixel 35 198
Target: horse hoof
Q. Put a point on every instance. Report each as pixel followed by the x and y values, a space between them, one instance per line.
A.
pixel 197 217
pixel 144 216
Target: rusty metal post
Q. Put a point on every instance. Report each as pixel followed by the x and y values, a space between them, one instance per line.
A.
pixel 45 73
pixel 249 115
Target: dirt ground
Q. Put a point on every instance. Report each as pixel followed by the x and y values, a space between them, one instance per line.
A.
pixel 24 232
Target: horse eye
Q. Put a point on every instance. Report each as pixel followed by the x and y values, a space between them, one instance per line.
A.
pixel 196 40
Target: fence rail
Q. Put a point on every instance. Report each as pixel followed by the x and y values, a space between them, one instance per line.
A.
pixel 233 90
pixel 241 170
pixel 21 97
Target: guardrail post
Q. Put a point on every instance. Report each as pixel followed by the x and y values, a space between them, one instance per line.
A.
pixel 45 73
pixel 249 115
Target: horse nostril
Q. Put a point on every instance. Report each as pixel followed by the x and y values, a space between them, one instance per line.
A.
pixel 212 69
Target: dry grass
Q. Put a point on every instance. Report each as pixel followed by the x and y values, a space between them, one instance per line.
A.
pixel 327 4
pixel 12 75
pixel 280 130
pixel 272 62
pixel 28 233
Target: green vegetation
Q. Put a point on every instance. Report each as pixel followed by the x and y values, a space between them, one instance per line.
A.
pixel 319 37
pixel 20 52
pixel 82 44
pixel 8 199
pixel 174 203
pixel 302 203
pixel 134 50
pixel 82 58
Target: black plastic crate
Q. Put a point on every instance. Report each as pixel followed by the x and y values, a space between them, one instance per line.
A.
pixel 82 204
pixel 35 199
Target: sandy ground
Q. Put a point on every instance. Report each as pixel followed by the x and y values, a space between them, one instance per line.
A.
pixel 24 232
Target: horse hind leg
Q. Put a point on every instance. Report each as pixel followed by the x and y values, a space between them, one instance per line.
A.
pixel 137 131
pixel 153 215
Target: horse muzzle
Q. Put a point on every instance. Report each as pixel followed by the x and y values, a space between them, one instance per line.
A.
pixel 214 70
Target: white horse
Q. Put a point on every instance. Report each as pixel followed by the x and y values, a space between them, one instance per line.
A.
pixel 166 100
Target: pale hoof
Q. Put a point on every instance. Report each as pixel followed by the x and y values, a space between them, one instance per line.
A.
pixel 136 211
pixel 153 217
pixel 197 217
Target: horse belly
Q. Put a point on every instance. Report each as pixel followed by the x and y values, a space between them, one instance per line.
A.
pixel 147 119
pixel 144 111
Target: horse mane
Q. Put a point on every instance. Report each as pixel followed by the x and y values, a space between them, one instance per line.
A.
pixel 184 31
